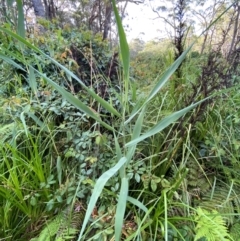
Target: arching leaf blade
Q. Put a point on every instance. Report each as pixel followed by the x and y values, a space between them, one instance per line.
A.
pixel 163 124
pixel 98 187
pixel 121 207
pixel 74 101
pixel 100 100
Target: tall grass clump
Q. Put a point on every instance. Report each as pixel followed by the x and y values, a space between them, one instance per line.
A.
pixel 26 187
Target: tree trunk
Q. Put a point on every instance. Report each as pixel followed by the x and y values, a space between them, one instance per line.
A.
pixel 46 9
pixel 107 21
pixel 235 32
pixel 38 8
pixel 50 9
pixel 4 11
pixel 180 31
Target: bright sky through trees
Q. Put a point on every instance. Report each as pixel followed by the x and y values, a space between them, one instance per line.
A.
pixel 141 24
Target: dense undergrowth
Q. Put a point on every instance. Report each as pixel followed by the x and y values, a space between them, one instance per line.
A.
pixel 183 181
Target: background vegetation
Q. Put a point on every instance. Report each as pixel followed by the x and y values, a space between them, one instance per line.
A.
pixel 129 142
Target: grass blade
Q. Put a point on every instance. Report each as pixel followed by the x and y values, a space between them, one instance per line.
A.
pixel 102 180
pixel 59 170
pixel 41 124
pixel 74 101
pixel 165 214
pixel 163 80
pixel 119 154
pixel 164 123
pixel 121 207
pixel 20 25
pixel 136 133
pixel 118 148
pixel 32 81
pixel 9 61
pixel 170 71
pixel 100 100
pixel 135 202
pixel 124 49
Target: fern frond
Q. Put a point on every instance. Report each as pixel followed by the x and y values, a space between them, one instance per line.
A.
pixel 50 230
pixel 210 225
pixel 6 132
pixel 224 202
pixel 72 220
pixel 65 226
pixel 235 232
pixel 197 178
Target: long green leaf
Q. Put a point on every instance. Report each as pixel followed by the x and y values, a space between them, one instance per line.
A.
pixel 118 153
pixel 68 96
pixel 164 192
pixel 136 133
pixel 215 20
pixel 32 80
pixel 121 207
pixel 41 124
pixel 170 71
pixel 164 123
pixel 74 101
pixel 13 63
pixel 124 49
pixel 163 80
pixel 102 180
pixel 100 100
pixel 21 25
pixel 135 202
pixel 118 148
pixel 122 201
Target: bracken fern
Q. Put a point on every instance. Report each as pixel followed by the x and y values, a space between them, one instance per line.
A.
pixel 64 226
pixel 210 225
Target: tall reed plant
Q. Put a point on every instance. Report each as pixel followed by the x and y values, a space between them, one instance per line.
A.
pixel 131 122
